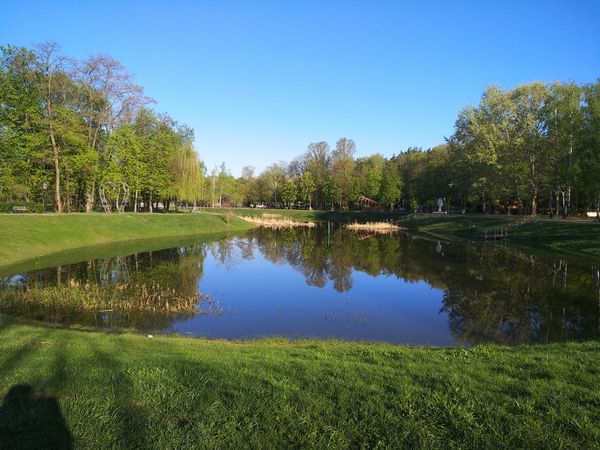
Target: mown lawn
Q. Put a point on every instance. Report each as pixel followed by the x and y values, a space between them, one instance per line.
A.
pixel 98 390
pixel 25 237
pixel 574 237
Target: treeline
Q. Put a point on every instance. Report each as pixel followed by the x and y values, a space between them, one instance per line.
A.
pixel 518 149
pixel 320 178
pixel 73 133
pixel 69 127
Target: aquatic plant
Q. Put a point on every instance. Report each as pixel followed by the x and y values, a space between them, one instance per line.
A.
pixel 378 227
pixel 269 221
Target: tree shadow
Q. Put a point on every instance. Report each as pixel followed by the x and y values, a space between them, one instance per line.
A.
pixel 12 360
pixel 31 421
pixel 129 415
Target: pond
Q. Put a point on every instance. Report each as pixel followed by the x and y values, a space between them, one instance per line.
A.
pixel 323 283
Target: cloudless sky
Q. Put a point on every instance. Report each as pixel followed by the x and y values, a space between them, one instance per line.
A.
pixel 259 80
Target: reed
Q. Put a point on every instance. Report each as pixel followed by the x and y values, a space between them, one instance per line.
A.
pixel 272 221
pixel 377 227
pixel 78 296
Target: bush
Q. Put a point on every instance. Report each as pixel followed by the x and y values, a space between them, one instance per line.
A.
pixel 31 206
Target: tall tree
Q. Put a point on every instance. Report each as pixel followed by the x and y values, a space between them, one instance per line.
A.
pixel 307 188
pixel 390 185
pixel 342 167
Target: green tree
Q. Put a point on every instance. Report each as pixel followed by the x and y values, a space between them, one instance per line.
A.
pixel 390 185
pixel 307 188
pixel 342 168
pixel 289 193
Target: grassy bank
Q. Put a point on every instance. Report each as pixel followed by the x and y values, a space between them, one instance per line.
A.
pixel 36 236
pixel 575 237
pixel 128 391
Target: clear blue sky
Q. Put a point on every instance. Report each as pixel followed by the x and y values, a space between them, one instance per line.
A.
pixel 258 81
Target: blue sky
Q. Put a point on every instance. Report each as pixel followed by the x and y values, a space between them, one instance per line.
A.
pixel 260 80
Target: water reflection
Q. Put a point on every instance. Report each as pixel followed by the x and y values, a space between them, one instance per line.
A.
pixel 323 282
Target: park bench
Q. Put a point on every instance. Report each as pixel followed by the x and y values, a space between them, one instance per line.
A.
pixel 19 209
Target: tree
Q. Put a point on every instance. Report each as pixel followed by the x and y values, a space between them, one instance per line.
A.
pixel 342 168
pixel 52 66
pixel 23 140
pixel 563 122
pixel 274 178
pixel 589 162
pixel 390 185
pixel 330 192
pixel 316 161
pixel 307 188
pixel 289 193
pixel 368 175
pixel 109 99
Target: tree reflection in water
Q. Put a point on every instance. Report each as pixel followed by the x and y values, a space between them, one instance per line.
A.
pixel 491 293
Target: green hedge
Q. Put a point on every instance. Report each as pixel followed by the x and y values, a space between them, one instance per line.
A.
pixel 31 207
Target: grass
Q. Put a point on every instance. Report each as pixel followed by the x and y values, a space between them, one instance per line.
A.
pixel 579 238
pixel 62 387
pixel 44 237
pixel 129 391
pixel 60 239
pixel 574 237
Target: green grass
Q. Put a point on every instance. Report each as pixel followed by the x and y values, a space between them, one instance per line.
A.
pixel 59 239
pixel 129 391
pixel 571 237
pixel 574 237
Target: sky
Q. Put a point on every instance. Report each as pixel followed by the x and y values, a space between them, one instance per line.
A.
pixel 260 80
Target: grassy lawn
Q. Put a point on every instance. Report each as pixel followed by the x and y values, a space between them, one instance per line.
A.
pixel 60 239
pixel 101 390
pixel 75 237
pixel 574 237
pixel 129 391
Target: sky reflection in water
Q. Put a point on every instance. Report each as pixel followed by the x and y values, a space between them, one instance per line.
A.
pixel 315 283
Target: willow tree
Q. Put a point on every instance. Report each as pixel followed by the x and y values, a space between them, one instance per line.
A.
pixel 187 175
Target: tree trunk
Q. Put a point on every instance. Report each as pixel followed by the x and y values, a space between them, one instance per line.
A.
pixel 135 201
pixel 90 198
pixel 55 153
pixel 534 203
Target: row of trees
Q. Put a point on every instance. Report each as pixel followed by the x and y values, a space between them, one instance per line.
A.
pixel 68 126
pixel 538 144
pixel 321 177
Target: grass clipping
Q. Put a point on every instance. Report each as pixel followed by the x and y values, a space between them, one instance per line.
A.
pixel 274 221
pixel 375 227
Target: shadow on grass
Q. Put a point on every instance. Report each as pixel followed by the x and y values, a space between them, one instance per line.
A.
pixel 9 362
pixel 31 421
pixel 129 415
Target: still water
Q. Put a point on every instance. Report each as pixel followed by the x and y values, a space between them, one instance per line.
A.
pixel 324 283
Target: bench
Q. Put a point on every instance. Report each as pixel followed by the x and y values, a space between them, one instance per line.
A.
pixel 19 209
